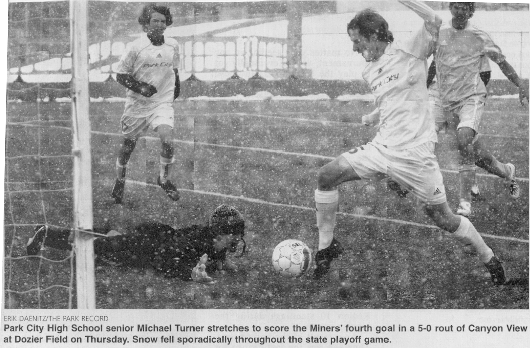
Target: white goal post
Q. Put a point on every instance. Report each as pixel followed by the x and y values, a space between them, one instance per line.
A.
pixel 82 173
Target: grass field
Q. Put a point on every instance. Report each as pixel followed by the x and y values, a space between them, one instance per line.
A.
pixel 263 158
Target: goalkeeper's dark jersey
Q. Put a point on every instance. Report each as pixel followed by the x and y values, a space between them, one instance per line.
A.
pixel 173 252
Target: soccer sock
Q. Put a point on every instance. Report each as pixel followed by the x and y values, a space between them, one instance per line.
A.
pixel 467 234
pixel 121 169
pixel 467 179
pixel 165 164
pixel 493 166
pixel 327 203
pixel 488 162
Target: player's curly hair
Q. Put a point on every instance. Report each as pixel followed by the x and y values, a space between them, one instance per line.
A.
pixel 369 22
pixel 470 4
pixel 145 16
pixel 228 219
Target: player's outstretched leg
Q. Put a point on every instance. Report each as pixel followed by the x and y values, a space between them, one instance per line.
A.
pixel 163 181
pixel 124 155
pixel 166 161
pixel 506 171
pixel 464 231
pixel 329 248
pixel 466 137
pixel 494 266
pixel 514 189
pixel 324 257
pixel 117 190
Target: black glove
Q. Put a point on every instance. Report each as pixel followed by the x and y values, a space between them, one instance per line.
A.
pixel 147 90
pixel 134 85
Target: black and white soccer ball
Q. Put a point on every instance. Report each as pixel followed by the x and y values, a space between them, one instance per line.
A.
pixel 291 258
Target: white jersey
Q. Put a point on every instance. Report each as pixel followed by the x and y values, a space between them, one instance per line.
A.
pixel 153 65
pixel 397 80
pixel 459 56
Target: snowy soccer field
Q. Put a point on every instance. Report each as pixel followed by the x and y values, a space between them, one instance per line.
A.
pixel 261 157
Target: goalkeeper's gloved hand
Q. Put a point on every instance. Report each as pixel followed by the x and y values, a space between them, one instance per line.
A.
pixel 370 119
pixel 147 90
pixel 198 274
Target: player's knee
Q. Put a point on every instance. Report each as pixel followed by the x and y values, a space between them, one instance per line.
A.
pixel 465 146
pixel 465 136
pixel 326 178
pixel 443 217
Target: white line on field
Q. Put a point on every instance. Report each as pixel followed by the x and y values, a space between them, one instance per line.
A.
pixel 280 152
pixel 334 123
pixel 257 149
pixel 359 216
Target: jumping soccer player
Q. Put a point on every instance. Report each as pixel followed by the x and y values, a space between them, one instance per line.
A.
pixel 459 50
pixel 187 253
pixel 149 71
pixel 403 148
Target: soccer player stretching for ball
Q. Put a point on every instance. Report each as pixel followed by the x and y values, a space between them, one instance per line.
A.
pixel 186 253
pixel 459 50
pixel 149 71
pixel 403 148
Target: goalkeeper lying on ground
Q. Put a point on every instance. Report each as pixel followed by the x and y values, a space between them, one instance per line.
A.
pixel 187 253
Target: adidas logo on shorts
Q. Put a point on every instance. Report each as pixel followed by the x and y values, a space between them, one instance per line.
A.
pixel 437 191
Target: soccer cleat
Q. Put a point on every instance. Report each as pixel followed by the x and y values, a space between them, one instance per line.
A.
pixel 117 190
pixel 35 243
pixel 464 209
pixel 324 257
pixel 494 266
pixel 395 186
pixel 514 189
pixel 170 189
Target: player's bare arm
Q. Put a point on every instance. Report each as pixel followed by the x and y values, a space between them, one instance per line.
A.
pixel 510 73
pixel 432 20
pixel 128 81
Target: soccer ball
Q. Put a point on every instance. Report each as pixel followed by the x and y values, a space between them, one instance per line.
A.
pixel 291 258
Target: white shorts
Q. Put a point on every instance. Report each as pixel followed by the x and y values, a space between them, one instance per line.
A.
pixel 469 112
pixel 441 117
pixel 415 169
pixel 133 126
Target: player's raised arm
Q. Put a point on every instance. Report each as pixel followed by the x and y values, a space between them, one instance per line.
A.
pixel 432 20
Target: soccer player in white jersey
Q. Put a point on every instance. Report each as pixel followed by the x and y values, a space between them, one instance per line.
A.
pixel 149 71
pixel 443 119
pixel 403 148
pixel 459 49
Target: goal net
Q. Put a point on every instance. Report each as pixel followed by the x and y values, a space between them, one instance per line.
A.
pixel 48 160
